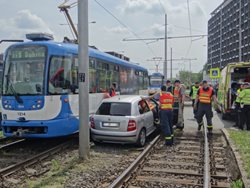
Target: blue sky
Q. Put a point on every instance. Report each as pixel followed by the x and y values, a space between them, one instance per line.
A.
pixel 143 17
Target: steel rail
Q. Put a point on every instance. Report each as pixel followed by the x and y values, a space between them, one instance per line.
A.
pixel 206 177
pixel 11 143
pixel 45 154
pixel 124 176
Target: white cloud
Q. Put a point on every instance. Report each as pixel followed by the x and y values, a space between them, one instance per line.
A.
pixel 158 30
pixel 135 6
pixel 118 30
pixel 22 23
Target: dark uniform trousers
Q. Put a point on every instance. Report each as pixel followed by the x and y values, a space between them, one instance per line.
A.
pixel 204 109
pixel 245 116
pixel 166 117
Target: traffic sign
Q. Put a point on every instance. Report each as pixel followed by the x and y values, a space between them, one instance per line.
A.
pixel 215 73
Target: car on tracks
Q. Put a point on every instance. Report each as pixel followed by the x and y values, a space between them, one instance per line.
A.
pixel 124 119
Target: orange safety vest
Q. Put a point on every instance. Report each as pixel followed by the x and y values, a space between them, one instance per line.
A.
pixel 166 100
pixel 205 96
pixel 176 94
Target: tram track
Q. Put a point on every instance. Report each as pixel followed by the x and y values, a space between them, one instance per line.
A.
pixel 7 141
pixel 23 154
pixel 195 160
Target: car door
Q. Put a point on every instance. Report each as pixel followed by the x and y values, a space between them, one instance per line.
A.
pixel 147 116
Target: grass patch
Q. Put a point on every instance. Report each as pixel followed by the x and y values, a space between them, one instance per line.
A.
pixel 237 184
pixel 57 175
pixel 242 142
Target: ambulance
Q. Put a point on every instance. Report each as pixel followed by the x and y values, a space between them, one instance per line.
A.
pixel 231 77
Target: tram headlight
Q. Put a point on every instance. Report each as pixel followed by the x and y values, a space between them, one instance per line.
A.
pixel 39 101
pixel 38 106
pixel 33 106
pixel 10 106
pixel 6 106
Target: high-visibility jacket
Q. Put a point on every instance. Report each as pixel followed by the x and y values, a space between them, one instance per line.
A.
pixel 238 95
pixel 194 94
pixel 166 100
pixel 205 96
pixel 176 94
pixel 245 96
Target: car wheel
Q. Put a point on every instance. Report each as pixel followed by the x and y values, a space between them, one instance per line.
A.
pixel 141 140
pixel 224 116
pixel 96 142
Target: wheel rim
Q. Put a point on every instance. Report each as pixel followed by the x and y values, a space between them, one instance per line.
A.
pixel 142 137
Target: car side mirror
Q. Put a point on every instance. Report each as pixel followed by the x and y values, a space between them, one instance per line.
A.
pixel 38 88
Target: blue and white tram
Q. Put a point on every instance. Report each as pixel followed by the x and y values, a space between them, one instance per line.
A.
pixel 40 86
pixel 156 80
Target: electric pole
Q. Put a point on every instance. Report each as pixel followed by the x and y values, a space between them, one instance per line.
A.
pixel 83 77
pixel 165 66
pixel 171 65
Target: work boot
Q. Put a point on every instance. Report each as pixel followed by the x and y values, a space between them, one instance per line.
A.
pixel 210 131
pixel 200 125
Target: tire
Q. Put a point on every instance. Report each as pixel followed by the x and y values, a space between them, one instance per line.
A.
pixel 96 143
pixel 141 140
pixel 224 116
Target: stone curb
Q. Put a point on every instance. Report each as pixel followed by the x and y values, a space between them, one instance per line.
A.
pixel 237 156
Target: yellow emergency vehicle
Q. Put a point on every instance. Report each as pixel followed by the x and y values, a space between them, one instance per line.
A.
pixel 231 76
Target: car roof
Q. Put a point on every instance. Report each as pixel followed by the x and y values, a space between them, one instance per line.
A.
pixel 123 98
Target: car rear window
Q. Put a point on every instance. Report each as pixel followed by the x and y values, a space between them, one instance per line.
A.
pixel 114 109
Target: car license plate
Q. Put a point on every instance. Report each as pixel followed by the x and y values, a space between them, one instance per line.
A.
pixel 107 124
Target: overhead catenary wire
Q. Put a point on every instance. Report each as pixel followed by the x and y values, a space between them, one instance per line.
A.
pixel 124 25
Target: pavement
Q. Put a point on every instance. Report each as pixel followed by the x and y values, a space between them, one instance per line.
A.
pixel 190 122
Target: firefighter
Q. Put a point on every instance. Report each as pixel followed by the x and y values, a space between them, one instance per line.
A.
pixel 166 115
pixel 179 97
pixel 204 95
pixel 193 93
pixel 245 105
pixel 238 108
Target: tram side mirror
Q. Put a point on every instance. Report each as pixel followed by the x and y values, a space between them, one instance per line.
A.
pixel 38 88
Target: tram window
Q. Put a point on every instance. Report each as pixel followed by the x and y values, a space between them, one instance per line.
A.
pixel 63 75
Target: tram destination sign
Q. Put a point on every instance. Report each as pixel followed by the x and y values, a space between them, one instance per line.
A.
pixel 27 52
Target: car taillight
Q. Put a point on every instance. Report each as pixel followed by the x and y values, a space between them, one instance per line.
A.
pixel 131 125
pixel 92 122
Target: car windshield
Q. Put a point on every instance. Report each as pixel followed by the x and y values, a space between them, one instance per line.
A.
pixel 114 109
pixel 155 81
pixel 24 70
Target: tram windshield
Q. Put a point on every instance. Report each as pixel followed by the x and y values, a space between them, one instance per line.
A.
pixel 156 81
pixel 24 71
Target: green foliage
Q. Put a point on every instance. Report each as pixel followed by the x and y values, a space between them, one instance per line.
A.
pixel 237 184
pixel 184 76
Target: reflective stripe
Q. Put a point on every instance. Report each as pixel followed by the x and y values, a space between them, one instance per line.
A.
pixel 245 96
pixel 172 135
pixel 210 126
pixel 205 96
pixel 168 138
pixel 166 100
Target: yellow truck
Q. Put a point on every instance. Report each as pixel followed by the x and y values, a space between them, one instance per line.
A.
pixel 231 76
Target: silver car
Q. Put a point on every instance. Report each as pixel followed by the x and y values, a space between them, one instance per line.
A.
pixel 123 119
